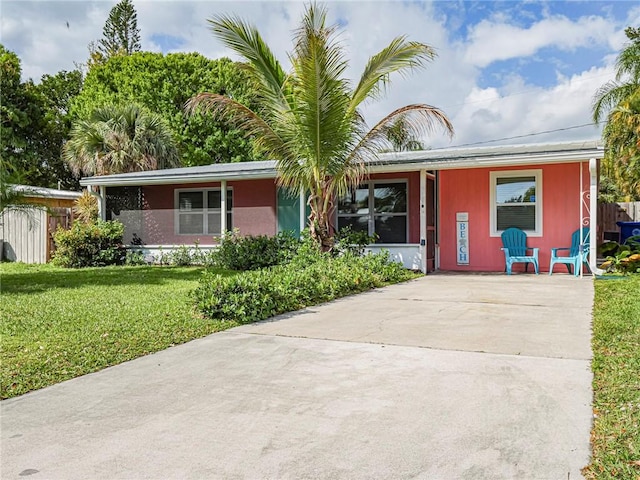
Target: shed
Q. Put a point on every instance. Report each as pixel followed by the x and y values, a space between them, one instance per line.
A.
pixel 28 236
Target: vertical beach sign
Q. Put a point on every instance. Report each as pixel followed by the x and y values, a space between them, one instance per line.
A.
pixel 462 238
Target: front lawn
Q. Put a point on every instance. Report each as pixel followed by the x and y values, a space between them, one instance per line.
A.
pixel 56 324
pixel 616 367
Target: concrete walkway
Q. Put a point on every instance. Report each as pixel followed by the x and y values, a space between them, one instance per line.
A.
pixel 389 384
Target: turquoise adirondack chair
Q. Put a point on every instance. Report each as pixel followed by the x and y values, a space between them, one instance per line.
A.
pixel 514 242
pixel 578 253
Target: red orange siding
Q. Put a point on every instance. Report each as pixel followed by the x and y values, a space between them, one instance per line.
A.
pixel 468 191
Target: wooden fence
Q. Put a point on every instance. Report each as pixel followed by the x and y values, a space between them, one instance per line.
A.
pixel 610 213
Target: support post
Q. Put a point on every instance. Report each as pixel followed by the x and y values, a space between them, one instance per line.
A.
pixel 223 207
pixel 593 216
pixel 303 210
pixel 102 203
pixel 423 221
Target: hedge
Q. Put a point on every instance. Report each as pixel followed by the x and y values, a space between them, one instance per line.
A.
pixel 260 294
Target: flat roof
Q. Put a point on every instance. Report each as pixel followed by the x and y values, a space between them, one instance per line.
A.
pixel 436 159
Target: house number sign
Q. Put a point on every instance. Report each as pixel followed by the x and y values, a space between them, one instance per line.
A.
pixel 462 238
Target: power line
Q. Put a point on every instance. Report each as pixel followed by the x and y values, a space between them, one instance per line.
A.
pixel 573 127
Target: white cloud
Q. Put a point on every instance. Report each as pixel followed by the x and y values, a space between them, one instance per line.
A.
pixel 489 115
pixel 508 107
pixel 493 40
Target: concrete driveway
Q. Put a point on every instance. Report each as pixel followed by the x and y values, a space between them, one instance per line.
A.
pixel 445 377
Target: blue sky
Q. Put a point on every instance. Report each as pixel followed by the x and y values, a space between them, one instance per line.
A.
pixel 504 69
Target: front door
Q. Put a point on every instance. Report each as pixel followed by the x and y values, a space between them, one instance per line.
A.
pixel 431 219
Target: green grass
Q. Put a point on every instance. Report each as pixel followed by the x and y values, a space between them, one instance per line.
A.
pixel 57 324
pixel 616 367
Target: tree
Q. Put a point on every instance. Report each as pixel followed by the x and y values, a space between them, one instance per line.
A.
pixel 619 100
pixel 163 83
pixel 627 80
pixel 36 123
pixel 309 120
pixel 402 138
pixel 120 34
pixel 120 139
pixel 50 130
pixel 622 136
pixel 16 108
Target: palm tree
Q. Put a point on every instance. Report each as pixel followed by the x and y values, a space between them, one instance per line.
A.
pixel 402 138
pixel 14 196
pixel 627 80
pixel 619 100
pixel 622 136
pixel 309 120
pixel 120 139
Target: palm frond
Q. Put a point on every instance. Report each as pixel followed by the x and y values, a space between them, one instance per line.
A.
pixel 224 108
pixel 246 41
pixel 609 96
pixel 400 55
pixel 419 119
pixel 119 139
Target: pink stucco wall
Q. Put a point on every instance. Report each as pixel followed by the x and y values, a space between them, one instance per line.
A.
pixel 254 206
pixel 467 190
pixel 254 211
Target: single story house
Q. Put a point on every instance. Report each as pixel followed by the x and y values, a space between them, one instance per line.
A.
pixel 28 236
pixel 441 209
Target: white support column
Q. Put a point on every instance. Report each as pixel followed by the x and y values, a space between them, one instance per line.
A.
pixel 593 216
pixel 102 203
pixel 423 221
pixel 223 207
pixel 582 216
pixel 303 210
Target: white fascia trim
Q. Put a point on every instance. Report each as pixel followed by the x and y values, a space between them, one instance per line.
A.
pixel 177 179
pixel 498 161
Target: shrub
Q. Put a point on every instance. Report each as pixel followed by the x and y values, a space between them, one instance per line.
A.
pixel 135 257
pixel 238 252
pixel 346 240
pixel 182 256
pixel 85 208
pixel 260 294
pixel 622 258
pixel 89 245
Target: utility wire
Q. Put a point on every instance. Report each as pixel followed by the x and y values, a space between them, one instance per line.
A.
pixel 573 127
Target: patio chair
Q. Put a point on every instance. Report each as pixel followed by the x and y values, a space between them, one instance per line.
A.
pixel 578 253
pixel 514 242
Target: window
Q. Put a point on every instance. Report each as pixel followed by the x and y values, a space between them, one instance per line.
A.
pixel 516 201
pixel 199 211
pixel 376 207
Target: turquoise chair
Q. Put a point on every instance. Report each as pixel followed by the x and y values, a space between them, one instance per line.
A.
pixel 578 253
pixel 514 246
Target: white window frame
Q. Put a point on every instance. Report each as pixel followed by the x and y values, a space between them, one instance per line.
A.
pixel 371 220
pixel 493 206
pixel 205 211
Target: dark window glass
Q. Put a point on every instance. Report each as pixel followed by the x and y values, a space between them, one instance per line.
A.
pixel 358 223
pixel 355 202
pixel 521 216
pixel 214 199
pixel 190 201
pixel 391 228
pixel 390 197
